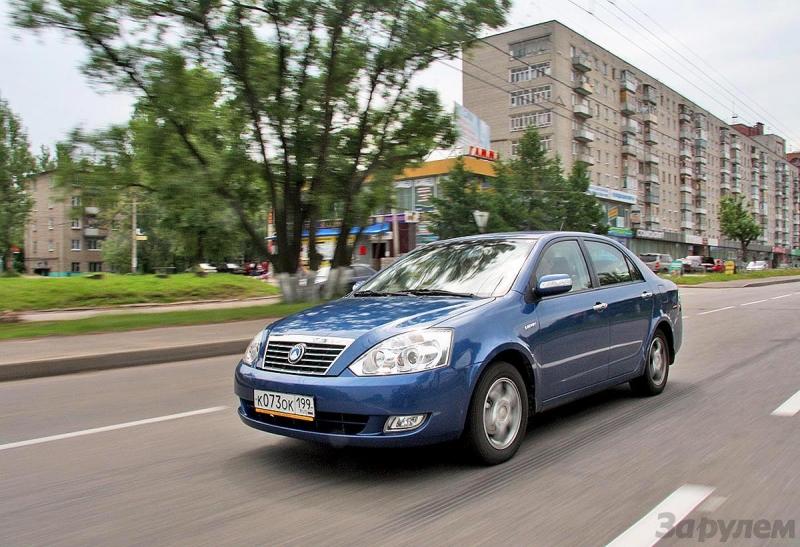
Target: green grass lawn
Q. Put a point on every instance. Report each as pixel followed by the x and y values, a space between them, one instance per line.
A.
pixel 134 321
pixel 708 278
pixel 42 293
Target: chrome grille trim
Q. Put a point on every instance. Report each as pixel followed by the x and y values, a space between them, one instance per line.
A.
pixel 320 355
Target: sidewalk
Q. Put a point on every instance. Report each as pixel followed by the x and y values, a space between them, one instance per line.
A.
pixel 66 315
pixel 742 283
pixel 66 354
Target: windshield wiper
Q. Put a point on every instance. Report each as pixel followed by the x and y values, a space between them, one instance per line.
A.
pixel 438 292
pixel 378 293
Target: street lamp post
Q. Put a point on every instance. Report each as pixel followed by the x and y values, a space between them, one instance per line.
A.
pixel 481 219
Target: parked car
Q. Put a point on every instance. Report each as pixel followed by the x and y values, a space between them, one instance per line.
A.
pixel 757 266
pixel 230 267
pixel 692 264
pixel 205 267
pixel 657 262
pixel 719 266
pixel 359 274
pixel 449 341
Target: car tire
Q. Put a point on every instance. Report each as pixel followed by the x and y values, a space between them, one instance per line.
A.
pixel 498 415
pixel 656 368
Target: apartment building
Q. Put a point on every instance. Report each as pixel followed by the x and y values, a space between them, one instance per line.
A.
pixel 659 162
pixel 62 236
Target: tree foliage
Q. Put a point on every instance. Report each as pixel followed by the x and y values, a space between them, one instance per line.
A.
pixel 737 222
pixel 316 95
pixel 530 192
pixel 16 164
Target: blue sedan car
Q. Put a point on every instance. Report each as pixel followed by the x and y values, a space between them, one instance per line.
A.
pixel 464 339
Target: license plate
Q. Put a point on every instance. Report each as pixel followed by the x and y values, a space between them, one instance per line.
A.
pixel 289 405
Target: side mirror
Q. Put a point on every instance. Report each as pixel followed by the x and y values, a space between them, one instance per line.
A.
pixel 357 285
pixel 548 285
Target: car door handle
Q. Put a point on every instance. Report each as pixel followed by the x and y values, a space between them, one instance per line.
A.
pixel 647 294
pixel 600 306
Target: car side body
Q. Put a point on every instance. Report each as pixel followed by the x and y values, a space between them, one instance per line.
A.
pixel 564 346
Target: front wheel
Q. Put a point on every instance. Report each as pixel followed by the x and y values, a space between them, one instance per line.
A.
pixel 498 414
pixel 656 368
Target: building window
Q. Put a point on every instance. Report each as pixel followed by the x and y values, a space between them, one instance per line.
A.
pixel 531 119
pixel 50 246
pixel 76 267
pixel 76 201
pixel 95 266
pixel 94 244
pixel 50 223
pixel 547 143
pixel 76 223
pixel 76 245
pixel 534 46
pixel 530 72
pixel 35 247
pixel 530 96
pixel 34 227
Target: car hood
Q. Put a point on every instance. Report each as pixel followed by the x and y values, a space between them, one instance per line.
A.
pixel 382 316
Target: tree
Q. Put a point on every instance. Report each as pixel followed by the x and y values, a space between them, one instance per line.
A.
pixel 460 196
pixel 582 212
pixel 321 89
pixel 16 163
pixel 738 223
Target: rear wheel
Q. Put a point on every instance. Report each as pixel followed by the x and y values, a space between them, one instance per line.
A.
pixel 656 368
pixel 498 414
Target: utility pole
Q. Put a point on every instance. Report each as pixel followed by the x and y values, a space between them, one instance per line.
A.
pixel 134 262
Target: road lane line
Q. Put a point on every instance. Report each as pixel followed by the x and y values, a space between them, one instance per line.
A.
pixel 114 427
pixel 715 311
pixel 754 302
pixel 782 296
pixel 790 407
pixel 654 525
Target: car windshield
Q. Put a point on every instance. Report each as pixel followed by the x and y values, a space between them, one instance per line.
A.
pixel 479 268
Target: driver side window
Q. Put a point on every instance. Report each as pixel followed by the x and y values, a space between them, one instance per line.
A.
pixel 565 257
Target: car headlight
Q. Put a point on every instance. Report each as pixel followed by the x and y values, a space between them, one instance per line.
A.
pixel 405 353
pixel 251 353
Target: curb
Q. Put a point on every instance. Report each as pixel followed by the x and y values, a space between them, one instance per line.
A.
pixel 82 363
pixel 746 286
pixel 153 305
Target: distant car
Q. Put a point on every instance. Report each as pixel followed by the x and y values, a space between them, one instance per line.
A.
pixel 360 273
pixel 656 262
pixel 230 267
pixel 719 266
pixel 693 263
pixel 757 266
pixel 205 267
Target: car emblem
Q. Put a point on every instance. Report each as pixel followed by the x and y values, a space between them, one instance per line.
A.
pixel 296 353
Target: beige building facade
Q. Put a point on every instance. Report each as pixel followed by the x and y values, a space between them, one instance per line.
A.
pixel 658 161
pixel 62 236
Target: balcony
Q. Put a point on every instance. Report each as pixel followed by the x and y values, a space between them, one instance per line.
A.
pixel 724 171
pixel 701 176
pixel 701 211
pixel 687 205
pixel 687 171
pixel 701 159
pixel 650 117
pixel 583 86
pixel 629 182
pixel 650 137
pixel 582 63
pixel 652 198
pixel 650 94
pixel 630 126
pixel 685 117
pixel 652 158
pixel 628 85
pixel 686 134
pixel 687 225
pixel 736 145
pixel 702 194
pixel 687 189
pixel 725 183
pixel 91 211
pixel 628 108
pixel 630 150
pixel 588 159
pixel 91 232
pixel 582 110
pixel 685 152
pixel 652 178
pixel 725 154
pixel 583 135
pixel 652 220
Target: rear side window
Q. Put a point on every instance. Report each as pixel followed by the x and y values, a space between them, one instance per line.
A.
pixel 609 263
pixel 636 274
pixel 565 257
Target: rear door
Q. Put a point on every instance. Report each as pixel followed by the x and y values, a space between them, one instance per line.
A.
pixel 572 336
pixel 630 305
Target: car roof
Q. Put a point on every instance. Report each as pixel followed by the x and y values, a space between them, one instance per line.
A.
pixel 533 235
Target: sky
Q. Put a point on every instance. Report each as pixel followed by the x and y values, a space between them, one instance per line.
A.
pixel 749 53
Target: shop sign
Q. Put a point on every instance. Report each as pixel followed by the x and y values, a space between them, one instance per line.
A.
pixel 778 250
pixel 612 195
pixel 693 239
pixel 649 234
pixel 620 232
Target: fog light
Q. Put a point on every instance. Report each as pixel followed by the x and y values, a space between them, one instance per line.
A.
pixel 403 423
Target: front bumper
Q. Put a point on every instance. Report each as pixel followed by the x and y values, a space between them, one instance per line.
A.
pixel 352 410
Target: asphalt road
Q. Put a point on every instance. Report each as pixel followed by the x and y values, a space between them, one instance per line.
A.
pixel 586 474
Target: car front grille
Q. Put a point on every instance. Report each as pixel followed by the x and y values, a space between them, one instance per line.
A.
pixel 324 422
pixel 319 354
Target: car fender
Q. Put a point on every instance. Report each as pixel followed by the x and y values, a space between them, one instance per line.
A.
pixel 529 361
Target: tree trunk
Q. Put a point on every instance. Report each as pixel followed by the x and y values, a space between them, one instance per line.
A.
pixel 744 252
pixel 9 260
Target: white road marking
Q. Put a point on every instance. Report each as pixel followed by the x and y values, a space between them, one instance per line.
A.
pixel 790 407
pixel 654 525
pixel 715 311
pixel 754 302
pixel 782 296
pixel 103 429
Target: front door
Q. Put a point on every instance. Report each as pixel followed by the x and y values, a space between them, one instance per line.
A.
pixel 570 343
